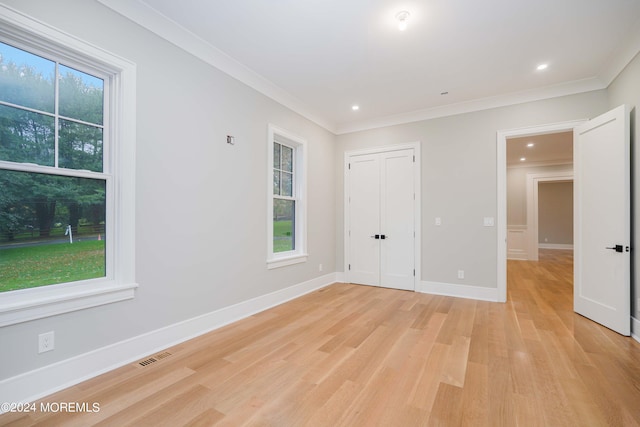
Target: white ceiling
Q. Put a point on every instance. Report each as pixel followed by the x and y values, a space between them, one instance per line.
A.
pixel 319 57
pixel 553 148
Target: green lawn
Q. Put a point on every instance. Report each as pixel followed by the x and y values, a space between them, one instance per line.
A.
pixel 282 232
pixel 40 265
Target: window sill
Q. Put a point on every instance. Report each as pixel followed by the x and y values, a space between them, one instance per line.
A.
pixel 286 260
pixel 36 303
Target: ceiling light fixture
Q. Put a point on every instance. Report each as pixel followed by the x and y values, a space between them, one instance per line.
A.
pixel 355 107
pixel 402 18
pixel 542 67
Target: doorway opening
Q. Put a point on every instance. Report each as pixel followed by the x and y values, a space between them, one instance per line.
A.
pixel 540 203
pixel 527 158
pixel 601 216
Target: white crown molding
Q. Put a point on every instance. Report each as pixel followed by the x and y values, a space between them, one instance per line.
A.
pixel 621 57
pixel 554 91
pixel 147 17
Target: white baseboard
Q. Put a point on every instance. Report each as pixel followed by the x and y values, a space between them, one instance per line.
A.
pixel 460 291
pixel 41 382
pixel 555 246
pixel 517 255
pixel 635 328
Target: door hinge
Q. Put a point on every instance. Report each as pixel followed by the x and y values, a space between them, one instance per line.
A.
pixel 349 266
pixel 414 158
pixel 414 272
pixel 349 165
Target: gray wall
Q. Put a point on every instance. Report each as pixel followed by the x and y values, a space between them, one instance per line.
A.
pixel 459 180
pixel 625 89
pixel 517 190
pixel 201 203
pixel 555 213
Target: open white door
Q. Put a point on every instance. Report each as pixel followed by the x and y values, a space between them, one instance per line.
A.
pixel 602 227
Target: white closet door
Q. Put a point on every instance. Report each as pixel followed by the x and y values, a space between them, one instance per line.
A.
pixel 397 261
pixel 381 219
pixel 364 219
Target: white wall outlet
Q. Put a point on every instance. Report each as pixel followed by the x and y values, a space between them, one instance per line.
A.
pixel 319 267
pixel 460 274
pixel 46 342
pixel 488 221
pixel 438 221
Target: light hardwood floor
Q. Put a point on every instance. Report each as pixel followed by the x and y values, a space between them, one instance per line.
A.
pixel 350 355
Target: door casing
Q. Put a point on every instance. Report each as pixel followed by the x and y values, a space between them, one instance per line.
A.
pixel 417 206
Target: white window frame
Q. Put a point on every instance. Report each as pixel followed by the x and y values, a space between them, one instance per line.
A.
pixel 120 127
pixel 299 145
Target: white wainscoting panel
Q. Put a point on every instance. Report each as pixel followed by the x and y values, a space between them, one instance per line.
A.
pixel 517 242
pixel 555 246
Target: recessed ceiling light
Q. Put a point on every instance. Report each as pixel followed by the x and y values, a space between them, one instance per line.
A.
pixel 402 18
pixel 522 159
pixel 531 144
pixel 355 107
pixel 542 67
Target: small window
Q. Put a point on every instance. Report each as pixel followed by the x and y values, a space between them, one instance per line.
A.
pixel 284 199
pixel 286 210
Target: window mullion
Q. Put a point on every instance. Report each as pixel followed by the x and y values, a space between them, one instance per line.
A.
pixel 294 154
pixel 56 112
pixel 31 110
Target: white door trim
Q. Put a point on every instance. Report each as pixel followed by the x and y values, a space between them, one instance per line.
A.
pixel 533 179
pixel 501 175
pixel 417 206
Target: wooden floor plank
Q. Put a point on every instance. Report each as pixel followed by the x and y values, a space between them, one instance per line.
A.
pixel 350 355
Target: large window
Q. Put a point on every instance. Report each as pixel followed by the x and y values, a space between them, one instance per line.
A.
pixel 52 174
pixel 66 192
pixel 286 208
